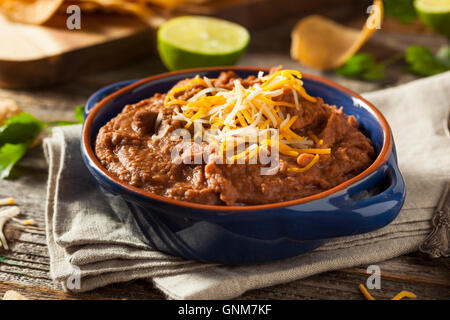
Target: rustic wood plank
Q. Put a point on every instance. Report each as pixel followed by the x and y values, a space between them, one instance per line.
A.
pixel 33 292
pixel 338 285
pixel 42 55
pixel 413 269
pixel 330 285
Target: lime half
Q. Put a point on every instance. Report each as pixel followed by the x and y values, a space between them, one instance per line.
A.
pixel 435 14
pixel 197 41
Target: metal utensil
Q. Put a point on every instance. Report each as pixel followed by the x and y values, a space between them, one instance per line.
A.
pixel 437 244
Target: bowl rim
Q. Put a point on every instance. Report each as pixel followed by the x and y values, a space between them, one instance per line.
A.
pixel 381 159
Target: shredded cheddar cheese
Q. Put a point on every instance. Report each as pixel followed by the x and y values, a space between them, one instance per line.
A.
pixel 307 167
pixel 315 138
pixel 366 293
pixel 403 294
pixel 398 296
pixel 231 116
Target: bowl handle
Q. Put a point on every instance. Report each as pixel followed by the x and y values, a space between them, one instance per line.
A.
pixel 382 207
pixel 102 93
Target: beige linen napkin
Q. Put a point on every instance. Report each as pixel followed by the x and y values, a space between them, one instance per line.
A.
pixel 89 243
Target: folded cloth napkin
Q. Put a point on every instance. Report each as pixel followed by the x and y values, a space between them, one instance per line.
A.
pixel 90 246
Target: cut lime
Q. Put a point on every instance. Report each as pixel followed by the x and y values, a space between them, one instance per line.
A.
pixel 197 41
pixel 435 14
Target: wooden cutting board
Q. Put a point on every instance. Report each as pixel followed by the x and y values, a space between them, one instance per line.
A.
pixel 38 56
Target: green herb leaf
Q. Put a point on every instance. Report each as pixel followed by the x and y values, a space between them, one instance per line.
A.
pixel 403 10
pixel 79 114
pixel 21 128
pixel 375 73
pixel 363 66
pixel 16 134
pixel 443 55
pixel 61 123
pixel 10 154
pixel 422 62
pixel 356 65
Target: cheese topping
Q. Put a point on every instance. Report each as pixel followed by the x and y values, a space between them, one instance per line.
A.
pixel 230 117
pixel 398 296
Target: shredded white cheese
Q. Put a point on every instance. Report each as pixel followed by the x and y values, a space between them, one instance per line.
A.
pixel 6 201
pixel 239 113
pixel 6 215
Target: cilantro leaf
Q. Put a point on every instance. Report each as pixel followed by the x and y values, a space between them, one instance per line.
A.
pixel 356 64
pixel 403 10
pixel 21 128
pixel 79 114
pixel 10 154
pixel 443 55
pixel 362 65
pixel 422 62
pixel 61 123
pixel 375 73
pixel 16 134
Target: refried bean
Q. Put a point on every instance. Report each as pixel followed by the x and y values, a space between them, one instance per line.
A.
pixel 136 147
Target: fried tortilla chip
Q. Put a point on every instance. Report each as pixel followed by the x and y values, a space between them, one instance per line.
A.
pixel 29 11
pixel 13 295
pixel 174 3
pixel 321 43
pixel 8 108
pixel 40 11
pixel 136 7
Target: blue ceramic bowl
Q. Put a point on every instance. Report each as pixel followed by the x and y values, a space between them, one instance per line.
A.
pixel 250 234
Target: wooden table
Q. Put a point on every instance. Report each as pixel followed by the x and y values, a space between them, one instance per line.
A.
pixel 26 267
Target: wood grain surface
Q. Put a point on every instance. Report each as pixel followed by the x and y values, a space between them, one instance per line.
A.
pixel 25 268
pixel 43 55
pixel 38 56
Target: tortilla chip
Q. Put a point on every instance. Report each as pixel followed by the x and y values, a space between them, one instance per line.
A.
pixel 136 7
pixel 321 43
pixel 13 295
pixel 29 11
pixel 8 108
pixel 84 6
pixel 40 11
pixel 174 3
pixel 318 41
